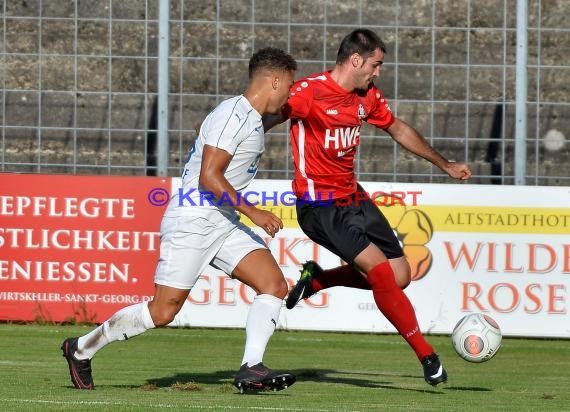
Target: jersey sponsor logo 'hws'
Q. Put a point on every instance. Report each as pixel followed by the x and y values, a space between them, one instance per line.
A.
pixel 342 137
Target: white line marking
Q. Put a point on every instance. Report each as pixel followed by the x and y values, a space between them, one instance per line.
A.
pixel 169 406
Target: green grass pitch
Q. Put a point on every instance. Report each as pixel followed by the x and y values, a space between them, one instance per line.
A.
pixel 192 370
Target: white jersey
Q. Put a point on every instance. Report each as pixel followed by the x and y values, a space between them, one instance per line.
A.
pixel 236 127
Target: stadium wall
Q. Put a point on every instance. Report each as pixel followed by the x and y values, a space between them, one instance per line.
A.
pixel 78 248
pixel 79 85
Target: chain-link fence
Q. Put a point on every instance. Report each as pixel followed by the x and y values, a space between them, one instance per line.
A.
pixel 79 81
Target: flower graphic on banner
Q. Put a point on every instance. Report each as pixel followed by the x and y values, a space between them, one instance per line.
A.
pixel 413 229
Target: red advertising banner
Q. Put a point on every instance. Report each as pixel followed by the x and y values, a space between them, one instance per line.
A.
pixel 77 248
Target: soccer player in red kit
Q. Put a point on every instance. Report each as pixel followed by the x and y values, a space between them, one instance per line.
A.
pixel 326 112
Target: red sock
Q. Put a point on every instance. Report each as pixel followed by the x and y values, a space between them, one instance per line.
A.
pixel 344 275
pixel 395 305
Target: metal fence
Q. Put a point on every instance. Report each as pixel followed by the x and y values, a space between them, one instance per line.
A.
pixel 80 81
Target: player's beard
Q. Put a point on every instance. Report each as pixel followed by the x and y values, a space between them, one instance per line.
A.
pixel 364 90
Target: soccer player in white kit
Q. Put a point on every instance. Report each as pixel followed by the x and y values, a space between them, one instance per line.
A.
pixel 201 226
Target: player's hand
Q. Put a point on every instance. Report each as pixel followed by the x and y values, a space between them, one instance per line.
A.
pixel 267 221
pixel 458 170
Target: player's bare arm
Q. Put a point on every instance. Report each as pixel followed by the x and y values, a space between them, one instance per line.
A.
pixel 214 163
pixel 411 140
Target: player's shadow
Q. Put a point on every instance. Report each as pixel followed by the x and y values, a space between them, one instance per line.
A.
pixel 363 380
pixel 376 380
pixel 467 388
pixel 213 378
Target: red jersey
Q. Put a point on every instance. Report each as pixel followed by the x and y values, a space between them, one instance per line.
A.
pixel 325 134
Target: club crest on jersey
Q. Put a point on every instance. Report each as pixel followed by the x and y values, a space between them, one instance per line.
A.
pixel 361 112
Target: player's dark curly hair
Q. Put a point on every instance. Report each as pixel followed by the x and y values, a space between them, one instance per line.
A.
pixel 361 41
pixel 271 58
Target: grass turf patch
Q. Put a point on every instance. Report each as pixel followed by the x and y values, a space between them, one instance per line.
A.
pixel 193 369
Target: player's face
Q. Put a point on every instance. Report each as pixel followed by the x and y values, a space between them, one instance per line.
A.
pixel 370 69
pixel 283 81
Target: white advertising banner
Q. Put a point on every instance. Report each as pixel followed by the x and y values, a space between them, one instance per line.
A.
pixel 500 250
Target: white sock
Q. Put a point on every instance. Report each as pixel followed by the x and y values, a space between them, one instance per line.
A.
pixel 124 324
pixel 261 322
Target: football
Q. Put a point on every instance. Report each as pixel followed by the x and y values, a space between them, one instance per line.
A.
pixel 476 337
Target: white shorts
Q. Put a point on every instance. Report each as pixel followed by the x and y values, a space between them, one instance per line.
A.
pixel 190 243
